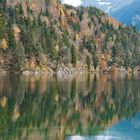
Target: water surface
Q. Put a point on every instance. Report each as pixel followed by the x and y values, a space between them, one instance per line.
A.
pixel 81 107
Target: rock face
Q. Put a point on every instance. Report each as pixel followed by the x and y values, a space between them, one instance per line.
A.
pixel 35 5
pixel 85 29
pixel 12 3
pixel 70 69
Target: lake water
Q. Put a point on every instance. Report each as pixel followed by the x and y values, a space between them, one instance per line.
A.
pixel 80 107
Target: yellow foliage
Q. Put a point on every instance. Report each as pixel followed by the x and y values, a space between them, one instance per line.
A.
pixel 3 101
pixel 102 109
pixel 62 12
pixel 3 44
pixel 77 37
pixel 16 113
pixel 16 29
pixel 56 98
pixel 102 35
pixel 57 48
pixel 32 65
pixel 16 32
pixel 33 6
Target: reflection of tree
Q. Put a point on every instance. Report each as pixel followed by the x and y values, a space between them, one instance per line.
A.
pixel 64 108
pixel 73 89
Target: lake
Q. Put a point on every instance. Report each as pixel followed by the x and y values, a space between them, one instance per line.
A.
pixel 72 107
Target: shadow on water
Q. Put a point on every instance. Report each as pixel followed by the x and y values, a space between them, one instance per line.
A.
pixel 57 107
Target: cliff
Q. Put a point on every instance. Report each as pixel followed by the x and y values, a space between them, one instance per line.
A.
pixel 47 35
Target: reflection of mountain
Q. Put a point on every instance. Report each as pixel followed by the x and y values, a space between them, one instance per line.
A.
pixel 93 138
pixel 125 129
pixel 41 108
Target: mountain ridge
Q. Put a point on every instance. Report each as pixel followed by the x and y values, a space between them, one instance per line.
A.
pixel 119 9
pixel 132 12
pixel 108 5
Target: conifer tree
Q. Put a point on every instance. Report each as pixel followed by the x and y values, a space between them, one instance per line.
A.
pixel 74 55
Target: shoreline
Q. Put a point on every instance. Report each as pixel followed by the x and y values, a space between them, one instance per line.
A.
pixel 67 71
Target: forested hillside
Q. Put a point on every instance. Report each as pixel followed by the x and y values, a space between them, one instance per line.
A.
pixel 46 35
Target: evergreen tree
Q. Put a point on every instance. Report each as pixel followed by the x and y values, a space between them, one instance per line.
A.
pixel 88 63
pixel 95 61
pixel 74 55
pixel 3 26
pixel 19 57
pixel 11 38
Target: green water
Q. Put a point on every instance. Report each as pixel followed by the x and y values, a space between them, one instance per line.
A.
pixel 81 107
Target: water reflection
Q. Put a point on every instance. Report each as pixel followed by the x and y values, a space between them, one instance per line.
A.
pixel 81 107
pixel 128 129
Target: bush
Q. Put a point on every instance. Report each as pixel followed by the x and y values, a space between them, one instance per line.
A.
pixel 76 27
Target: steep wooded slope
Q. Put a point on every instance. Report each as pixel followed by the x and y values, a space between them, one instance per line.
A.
pixel 48 35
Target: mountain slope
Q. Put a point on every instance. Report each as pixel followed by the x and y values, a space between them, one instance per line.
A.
pixel 126 11
pixel 47 35
pixel 133 14
pixel 108 5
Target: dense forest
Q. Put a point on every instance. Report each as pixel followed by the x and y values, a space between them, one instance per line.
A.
pixel 40 35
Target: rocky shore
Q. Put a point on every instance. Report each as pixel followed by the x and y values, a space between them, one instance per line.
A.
pixel 71 70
